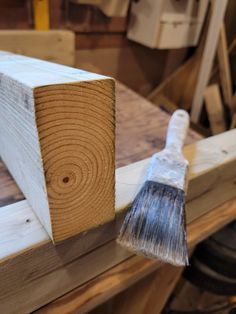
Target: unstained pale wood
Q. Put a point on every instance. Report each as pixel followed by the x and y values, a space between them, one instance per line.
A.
pixel 215 109
pixel 57 139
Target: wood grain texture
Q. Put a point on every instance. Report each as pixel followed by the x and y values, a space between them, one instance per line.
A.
pixel 144 138
pixel 64 258
pixel 224 68
pixel 210 167
pixel 179 87
pixel 215 109
pixel 52 262
pixel 217 15
pixel 54 45
pixel 28 297
pixel 150 294
pixel 77 147
pixel 58 123
pixel 145 124
pixel 119 278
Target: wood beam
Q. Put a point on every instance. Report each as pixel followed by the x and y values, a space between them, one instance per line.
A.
pixel 57 138
pixel 218 8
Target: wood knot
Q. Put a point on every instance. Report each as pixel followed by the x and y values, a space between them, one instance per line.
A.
pixel 65 179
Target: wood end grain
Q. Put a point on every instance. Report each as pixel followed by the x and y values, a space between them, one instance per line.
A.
pixel 75 123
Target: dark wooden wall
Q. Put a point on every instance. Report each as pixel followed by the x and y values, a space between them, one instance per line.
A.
pixel 101 43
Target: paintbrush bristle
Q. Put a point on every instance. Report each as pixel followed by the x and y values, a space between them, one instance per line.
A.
pixel 155 224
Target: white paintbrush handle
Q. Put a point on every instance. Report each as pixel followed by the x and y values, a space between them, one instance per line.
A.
pixel 177 130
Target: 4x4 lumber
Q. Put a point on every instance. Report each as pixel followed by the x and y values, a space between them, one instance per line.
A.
pixel 24 242
pixel 57 140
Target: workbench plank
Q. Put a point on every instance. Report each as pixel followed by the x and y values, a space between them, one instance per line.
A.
pixel 49 262
pixel 128 150
pixel 122 276
pixel 150 294
pixel 140 127
pixel 211 163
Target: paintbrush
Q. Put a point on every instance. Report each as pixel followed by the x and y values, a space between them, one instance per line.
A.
pixel 155 224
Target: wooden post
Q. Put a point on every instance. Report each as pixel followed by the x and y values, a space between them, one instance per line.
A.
pixel 217 15
pixel 55 45
pixel 215 109
pixel 57 139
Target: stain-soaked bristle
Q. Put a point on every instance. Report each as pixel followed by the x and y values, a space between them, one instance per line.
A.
pixel 155 224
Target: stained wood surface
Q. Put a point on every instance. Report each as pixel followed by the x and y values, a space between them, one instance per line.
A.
pixel 119 278
pixel 57 138
pixel 142 135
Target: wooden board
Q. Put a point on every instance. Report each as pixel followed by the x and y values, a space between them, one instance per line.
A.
pixel 179 87
pixel 225 75
pixel 211 160
pixel 215 109
pixel 143 140
pixel 217 16
pixel 55 45
pixel 57 139
pixel 119 278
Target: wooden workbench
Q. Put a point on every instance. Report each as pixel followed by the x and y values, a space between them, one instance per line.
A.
pixel 141 131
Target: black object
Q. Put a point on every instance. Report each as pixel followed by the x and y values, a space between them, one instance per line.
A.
pixel 213 264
